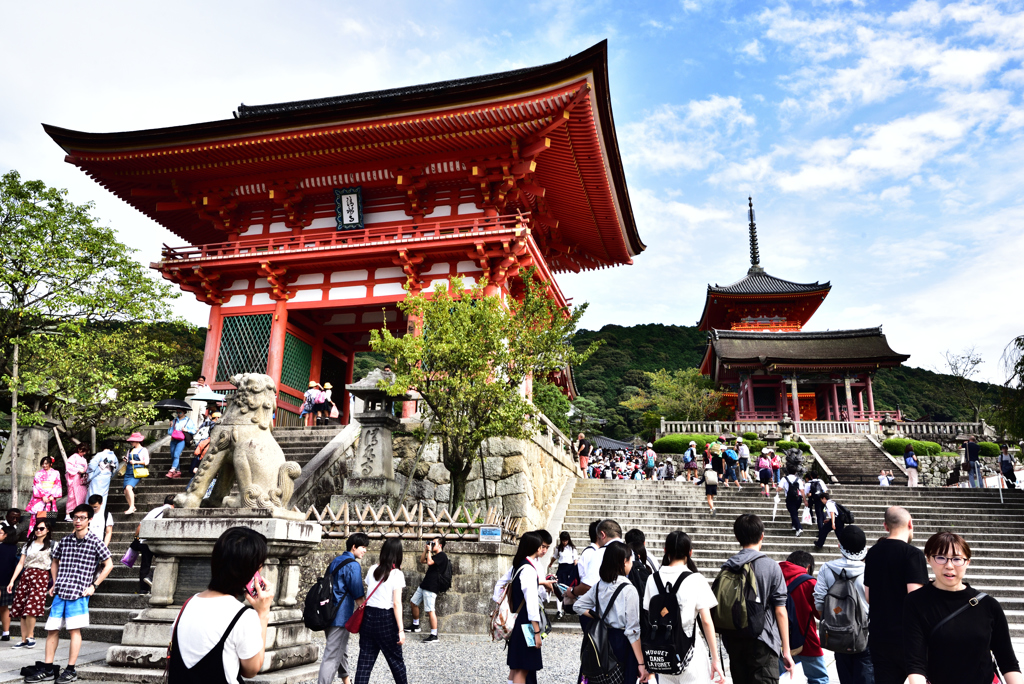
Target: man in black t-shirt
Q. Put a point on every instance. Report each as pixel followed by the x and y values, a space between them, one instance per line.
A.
pixel 972 451
pixel 893 569
pixel 437 563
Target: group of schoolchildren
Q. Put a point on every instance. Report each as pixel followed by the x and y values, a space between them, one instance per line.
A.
pixel 642 618
pixel 620 464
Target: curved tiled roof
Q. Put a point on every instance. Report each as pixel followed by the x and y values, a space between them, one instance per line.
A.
pixel 759 282
pixel 866 345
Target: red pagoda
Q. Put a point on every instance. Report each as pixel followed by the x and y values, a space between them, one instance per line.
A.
pixel 307 222
pixel 758 352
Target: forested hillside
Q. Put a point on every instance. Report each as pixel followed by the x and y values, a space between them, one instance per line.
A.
pixel 616 370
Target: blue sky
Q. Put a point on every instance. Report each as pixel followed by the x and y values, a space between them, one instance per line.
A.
pixel 882 142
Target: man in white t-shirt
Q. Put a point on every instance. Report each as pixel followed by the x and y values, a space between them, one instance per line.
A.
pixel 832 521
pixel 103 529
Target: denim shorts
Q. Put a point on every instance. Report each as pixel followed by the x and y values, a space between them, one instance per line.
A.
pixel 424 598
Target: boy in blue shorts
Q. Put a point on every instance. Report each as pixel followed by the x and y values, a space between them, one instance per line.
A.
pixel 75 558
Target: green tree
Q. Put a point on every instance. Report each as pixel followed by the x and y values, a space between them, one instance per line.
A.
pixel 60 270
pixel 1012 407
pixel 472 360
pixel 552 403
pixel 678 395
pixel 105 377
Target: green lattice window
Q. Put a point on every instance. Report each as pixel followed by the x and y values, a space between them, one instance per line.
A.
pixel 289 399
pixel 332 370
pixel 297 358
pixel 244 345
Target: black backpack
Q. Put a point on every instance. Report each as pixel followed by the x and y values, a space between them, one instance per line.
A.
pixel 845 515
pixel 638 576
pixel 793 491
pixel 444 582
pixel 597 661
pixel 321 607
pixel 667 648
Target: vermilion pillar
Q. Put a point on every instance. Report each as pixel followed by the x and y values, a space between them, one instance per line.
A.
pixel 871 397
pixel 860 402
pixel 849 397
pixel 413 327
pixel 751 406
pixel 212 353
pixel 275 357
pixel 315 366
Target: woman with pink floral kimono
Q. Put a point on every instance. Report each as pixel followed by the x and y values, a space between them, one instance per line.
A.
pixel 46 490
pixel 77 465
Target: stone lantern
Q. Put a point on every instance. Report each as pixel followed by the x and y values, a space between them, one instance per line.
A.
pixel 371 477
pixel 888 425
pixel 786 425
pixel 772 438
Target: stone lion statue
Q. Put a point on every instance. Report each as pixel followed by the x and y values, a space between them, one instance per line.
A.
pixel 243 451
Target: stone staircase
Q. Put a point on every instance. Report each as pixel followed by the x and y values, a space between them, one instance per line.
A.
pixel 657 508
pixel 117 602
pixel 854 459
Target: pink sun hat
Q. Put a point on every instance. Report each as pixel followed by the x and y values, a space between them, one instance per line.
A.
pixel 135 437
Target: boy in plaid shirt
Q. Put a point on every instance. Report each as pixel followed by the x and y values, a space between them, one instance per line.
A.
pixel 73 569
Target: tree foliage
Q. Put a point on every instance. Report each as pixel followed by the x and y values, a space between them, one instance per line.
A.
pixel 1012 405
pixel 552 403
pixel 106 376
pixel 60 270
pixel 963 367
pixel 677 395
pixel 471 361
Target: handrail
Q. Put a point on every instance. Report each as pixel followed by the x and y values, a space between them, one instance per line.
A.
pixel 332 239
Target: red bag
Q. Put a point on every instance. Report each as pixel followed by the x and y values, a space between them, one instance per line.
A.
pixel 356 621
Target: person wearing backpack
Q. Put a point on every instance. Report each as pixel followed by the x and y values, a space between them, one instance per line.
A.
pixel 798 569
pixel 347 587
pixel 910 461
pixel 815 487
pixel 832 520
pixel 524 660
pixel 650 461
pixel 437 580
pixel 751 613
pixel 710 486
pixel 840 601
pixel 675 616
pixel 732 459
pixel 690 461
pixel 643 565
pixel 615 602
pixel 793 487
pixel 764 470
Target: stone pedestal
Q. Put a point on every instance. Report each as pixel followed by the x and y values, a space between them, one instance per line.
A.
pixel 182 543
pixel 33 444
pixel 371 476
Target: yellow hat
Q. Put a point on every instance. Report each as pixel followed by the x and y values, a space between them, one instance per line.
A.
pixel 312 383
pixel 328 385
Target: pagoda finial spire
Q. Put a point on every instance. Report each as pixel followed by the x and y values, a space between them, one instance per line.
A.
pixel 755 257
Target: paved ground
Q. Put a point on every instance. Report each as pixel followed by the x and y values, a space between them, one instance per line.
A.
pixel 12 660
pixel 446 662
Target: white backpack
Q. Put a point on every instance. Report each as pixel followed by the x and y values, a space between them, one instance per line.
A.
pixel 503 620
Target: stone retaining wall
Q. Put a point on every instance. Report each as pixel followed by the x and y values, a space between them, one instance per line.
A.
pixel 524 477
pixel 942 470
pixel 465 609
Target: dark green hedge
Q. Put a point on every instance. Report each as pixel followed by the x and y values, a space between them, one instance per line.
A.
pixel 897 445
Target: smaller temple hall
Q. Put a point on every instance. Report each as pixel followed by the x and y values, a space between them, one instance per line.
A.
pixel 760 355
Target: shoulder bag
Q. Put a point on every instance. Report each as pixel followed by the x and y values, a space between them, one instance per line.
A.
pixel 138 469
pixel 355 622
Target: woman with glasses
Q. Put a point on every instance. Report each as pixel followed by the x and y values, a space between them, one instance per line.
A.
pixel 952 630
pixel 34 570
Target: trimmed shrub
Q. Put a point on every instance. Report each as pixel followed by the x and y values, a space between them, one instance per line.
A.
pixel 988 449
pixel 749 436
pixel 677 444
pixel 897 446
pixel 785 445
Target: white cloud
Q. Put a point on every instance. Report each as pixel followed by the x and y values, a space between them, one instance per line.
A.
pixel 753 50
pixel 898 194
pixel 686 136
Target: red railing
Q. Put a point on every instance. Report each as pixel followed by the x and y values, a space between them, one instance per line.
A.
pixel 325 240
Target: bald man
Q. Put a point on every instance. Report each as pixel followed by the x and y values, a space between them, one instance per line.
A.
pixel 893 569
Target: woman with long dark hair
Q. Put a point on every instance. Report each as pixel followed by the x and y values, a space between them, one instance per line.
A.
pixel 950 630
pixel 623 614
pixel 567 557
pixel 382 628
pixel 524 660
pixel 34 570
pixel 695 600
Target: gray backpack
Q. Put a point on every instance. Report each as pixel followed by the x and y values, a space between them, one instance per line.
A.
pixel 844 619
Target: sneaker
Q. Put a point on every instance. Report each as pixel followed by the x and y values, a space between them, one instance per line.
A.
pixel 47 673
pixel 5 637
pixel 28 643
pixel 430 638
pixel 415 629
pixel 170 473
pixel 68 675
pixel 799 532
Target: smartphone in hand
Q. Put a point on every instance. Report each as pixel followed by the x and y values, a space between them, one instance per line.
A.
pixel 250 588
